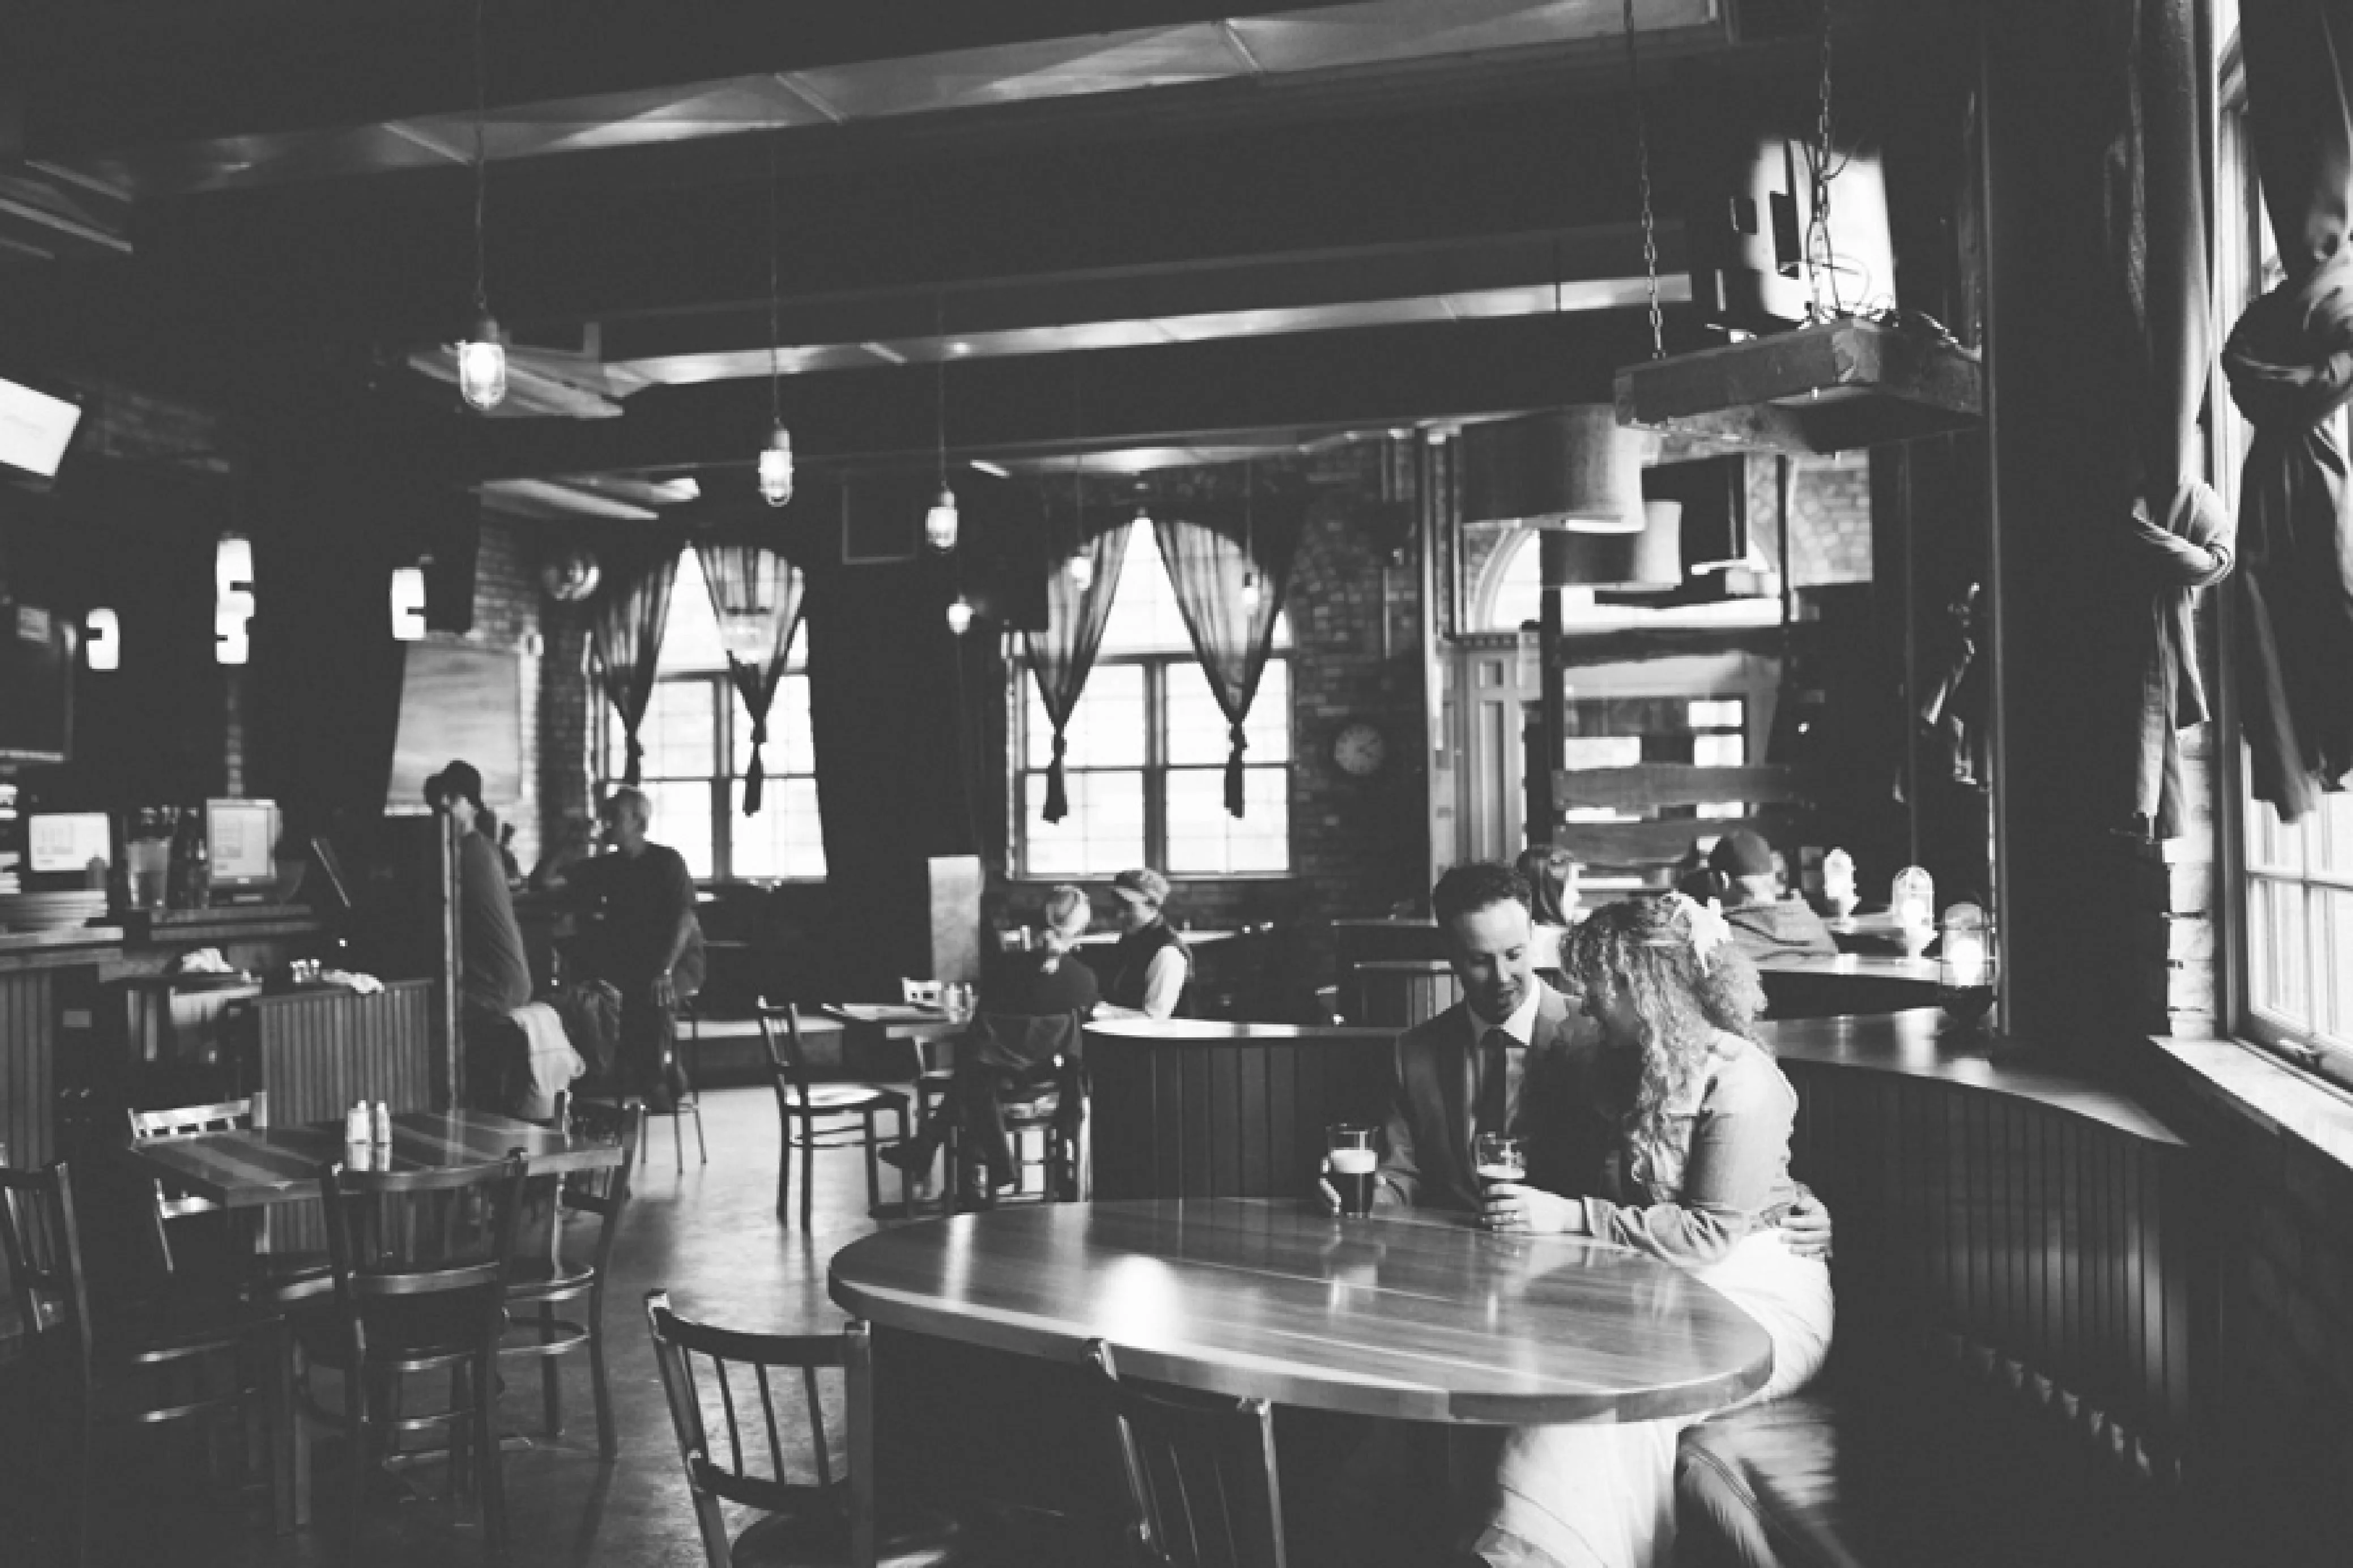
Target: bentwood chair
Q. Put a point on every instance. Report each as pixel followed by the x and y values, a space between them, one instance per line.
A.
pixel 136 1361
pixel 716 1375
pixel 421 1259
pixel 932 1081
pixel 812 1115
pixel 574 1272
pixel 1048 1109
pixel 280 1276
pixel 1200 1472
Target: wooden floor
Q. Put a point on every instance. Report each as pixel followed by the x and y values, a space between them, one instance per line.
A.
pixel 712 1236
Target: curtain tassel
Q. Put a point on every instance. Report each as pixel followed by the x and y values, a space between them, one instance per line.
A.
pixel 630 774
pixel 1234 771
pixel 756 774
pixel 1057 801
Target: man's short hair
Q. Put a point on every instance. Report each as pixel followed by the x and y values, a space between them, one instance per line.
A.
pixel 632 801
pixel 1473 886
pixel 459 781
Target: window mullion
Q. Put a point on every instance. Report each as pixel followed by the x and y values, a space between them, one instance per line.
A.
pixel 1156 761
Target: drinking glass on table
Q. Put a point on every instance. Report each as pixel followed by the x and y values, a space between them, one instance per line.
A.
pixel 1349 1157
pixel 1497 1157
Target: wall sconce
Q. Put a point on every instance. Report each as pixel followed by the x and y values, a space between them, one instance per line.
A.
pixel 103 641
pixel 408 603
pixel 1966 965
pixel 233 601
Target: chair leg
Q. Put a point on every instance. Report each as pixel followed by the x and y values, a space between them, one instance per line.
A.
pixel 551 1382
pixel 701 1148
pixel 607 1441
pixel 678 1133
pixel 461 1449
pixel 355 1422
pixel 873 1176
pixel 785 1173
pixel 808 1173
pixel 490 1471
pixel 283 1437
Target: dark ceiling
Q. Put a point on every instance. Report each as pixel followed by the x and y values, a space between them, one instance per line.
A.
pixel 1119 221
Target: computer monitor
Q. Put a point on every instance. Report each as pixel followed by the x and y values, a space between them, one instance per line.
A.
pixel 66 842
pixel 241 842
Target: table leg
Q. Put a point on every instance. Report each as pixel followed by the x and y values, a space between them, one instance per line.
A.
pixel 860 1399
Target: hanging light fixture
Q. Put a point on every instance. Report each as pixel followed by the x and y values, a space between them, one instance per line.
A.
pixel 960 614
pixel 233 600
pixel 103 641
pixel 408 603
pixel 481 354
pixel 940 523
pixel 1574 467
pixel 777 457
pixel 1253 595
pixel 1081 565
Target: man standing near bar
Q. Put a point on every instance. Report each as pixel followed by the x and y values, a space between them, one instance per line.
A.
pixel 493 975
pixel 1152 965
pixel 648 941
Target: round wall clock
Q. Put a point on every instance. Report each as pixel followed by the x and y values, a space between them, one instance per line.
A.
pixel 1359 750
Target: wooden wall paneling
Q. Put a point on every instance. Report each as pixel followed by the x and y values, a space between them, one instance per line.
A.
pixel 317 1051
pixel 1167 1074
pixel 28 1066
pixel 1198 1127
pixel 1285 1140
pixel 1228 1114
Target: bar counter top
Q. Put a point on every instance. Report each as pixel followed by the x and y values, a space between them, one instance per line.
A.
pixel 60 947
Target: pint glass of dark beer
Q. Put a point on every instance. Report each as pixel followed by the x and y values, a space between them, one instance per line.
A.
pixel 1350 1158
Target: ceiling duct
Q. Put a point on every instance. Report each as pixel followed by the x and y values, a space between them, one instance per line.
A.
pixel 1575 469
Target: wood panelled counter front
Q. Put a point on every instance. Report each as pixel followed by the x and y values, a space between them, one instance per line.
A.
pixel 1419 1317
pixel 1182 1109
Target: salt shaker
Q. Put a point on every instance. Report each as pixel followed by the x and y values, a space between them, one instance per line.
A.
pixel 383 1122
pixel 356 1123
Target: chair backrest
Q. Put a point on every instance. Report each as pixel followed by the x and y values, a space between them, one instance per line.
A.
pixel 1016 1041
pixel 700 1363
pixel 1200 1472
pixel 186 1121
pixel 780 1032
pixel 920 993
pixel 420 1233
pixel 603 1192
pixel 40 1236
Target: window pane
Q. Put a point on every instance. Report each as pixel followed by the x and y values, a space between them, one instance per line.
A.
pixel 681 729
pixel 682 821
pixel 2333 856
pixel 1197 727
pixel 2335 1006
pixel 1144 618
pixel 2275 944
pixel 786 839
pixel 1102 834
pixel 690 632
pixel 1719 751
pixel 1202 838
pixel 1107 729
pixel 2273 844
pixel 1717 713
pixel 1602 750
pixel 788 750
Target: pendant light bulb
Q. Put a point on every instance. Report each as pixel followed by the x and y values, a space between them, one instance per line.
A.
pixel 1251 593
pixel 482 365
pixel 940 523
pixel 776 468
pixel 102 639
pixel 1083 570
pixel 960 615
pixel 408 603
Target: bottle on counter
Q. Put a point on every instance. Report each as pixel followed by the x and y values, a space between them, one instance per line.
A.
pixel 382 1123
pixel 200 869
pixel 356 1123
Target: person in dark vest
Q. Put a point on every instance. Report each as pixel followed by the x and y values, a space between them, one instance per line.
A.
pixel 1152 967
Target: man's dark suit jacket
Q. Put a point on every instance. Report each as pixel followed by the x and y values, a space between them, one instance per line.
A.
pixel 1427 1162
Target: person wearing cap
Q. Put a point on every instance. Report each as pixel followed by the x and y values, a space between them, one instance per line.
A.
pixel 493 975
pixel 1151 966
pixel 1766 922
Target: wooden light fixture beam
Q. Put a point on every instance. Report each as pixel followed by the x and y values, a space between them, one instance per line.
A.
pixel 1822 388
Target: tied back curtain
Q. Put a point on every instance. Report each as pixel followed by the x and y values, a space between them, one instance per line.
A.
pixel 2290 364
pixel 2176 537
pixel 756 596
pixel 1206 562
pixel 625 632
pixel 1061 655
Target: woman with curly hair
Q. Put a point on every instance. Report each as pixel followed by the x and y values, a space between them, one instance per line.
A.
pixel 1701 1180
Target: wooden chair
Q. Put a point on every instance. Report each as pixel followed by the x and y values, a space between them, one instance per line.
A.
pixel 690 1102
pixel 1034 1110
pixel 813 1116
pixel 932 1081
pixel 545 1283
pixel 135 1362
pixel 808 1521
pixel 1200 1473
pixel 421 1259
pixel 283 1278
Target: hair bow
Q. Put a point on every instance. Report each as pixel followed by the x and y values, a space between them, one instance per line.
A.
pixel 1707 927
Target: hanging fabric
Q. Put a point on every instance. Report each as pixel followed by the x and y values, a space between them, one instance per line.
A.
pixel 625 633
pixel 1209 564
pixel 2178 538
pixel 2290 364
pixel 1061 655
pixel 756 595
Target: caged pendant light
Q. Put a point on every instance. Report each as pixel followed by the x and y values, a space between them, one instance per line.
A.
pixel 776 457
pixel 481 354
pixel 941 523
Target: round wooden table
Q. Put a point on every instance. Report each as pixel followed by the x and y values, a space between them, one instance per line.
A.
pixel 1418 1317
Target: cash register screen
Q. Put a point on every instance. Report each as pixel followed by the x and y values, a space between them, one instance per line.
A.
pixel 67 841
pixel 241 837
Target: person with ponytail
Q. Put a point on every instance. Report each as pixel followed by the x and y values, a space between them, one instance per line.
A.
pixel 1701 1179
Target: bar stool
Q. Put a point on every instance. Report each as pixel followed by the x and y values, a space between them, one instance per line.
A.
pixel 688 1102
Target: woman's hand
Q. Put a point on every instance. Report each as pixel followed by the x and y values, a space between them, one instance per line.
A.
pixel 1531 1211
pixel 1806 1228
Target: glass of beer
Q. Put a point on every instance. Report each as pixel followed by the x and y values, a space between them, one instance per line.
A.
pixel 1497 1157
pixel 1350 1158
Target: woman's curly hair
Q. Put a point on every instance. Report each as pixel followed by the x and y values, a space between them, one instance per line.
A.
pixel 1645 947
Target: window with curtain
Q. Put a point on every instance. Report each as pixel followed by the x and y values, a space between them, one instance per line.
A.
pixel 1145 770
pixel 2295 894
pixel 697 743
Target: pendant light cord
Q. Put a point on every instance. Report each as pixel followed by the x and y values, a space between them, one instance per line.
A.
pixel 940 408
pixel 776 371
pixel 1821 255
pixel 481 169
pixel 1642 178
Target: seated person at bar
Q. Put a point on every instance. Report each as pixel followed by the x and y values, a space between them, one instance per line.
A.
pixel 1703 1118
pixel 494 976
pixel 1550 873
pixel 1765 922
pixel 1151 966
pixel 646 941
pixel 992 1063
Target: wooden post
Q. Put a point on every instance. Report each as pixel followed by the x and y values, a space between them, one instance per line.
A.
pixel 1552 703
